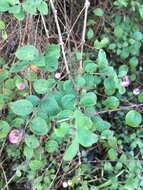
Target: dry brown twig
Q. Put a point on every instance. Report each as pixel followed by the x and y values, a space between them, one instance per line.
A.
pixel 60 36
pixel 119 109
pixel 86 5
pixel 6 181
pixel 45 28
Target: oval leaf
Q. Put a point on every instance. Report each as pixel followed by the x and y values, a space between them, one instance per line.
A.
pixel 4 129
pixel 88 99
pixel 86 137
pixel 27 53
pixel 41 86
pixel 32 141
pixel 133 118
pixel 21 107
pixel 39 126
pixel 72 150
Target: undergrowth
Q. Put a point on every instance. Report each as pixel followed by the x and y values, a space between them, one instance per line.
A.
pixel 71 95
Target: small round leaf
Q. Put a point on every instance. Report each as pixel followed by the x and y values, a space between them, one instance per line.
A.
pixel 41 86
pixel 133 118
pixel 4 129
pixel 21 107
pixel 39 126
pixel 31 141
pixel 27 53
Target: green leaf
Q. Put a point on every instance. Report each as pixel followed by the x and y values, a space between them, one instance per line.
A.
pixel 30 6
pixel 82 120
pixel 123 70
pixel 133 118
pixel 112 102
pixel 51 57
pixel 91 68
pixel 112 153
pixel 12 2
pixel 133 62
pixel 134 49
pixel 121 3
pixel 27 53
pixel 100 124
pixel 3 75
pixel 80 81
pixel 18 66
pixel 140 97
pixel 35 165
pixel 98 12
pixel 88 99
pixel 91 81
pixel 65 114
pixel 78 55
pixel 41 86
pixel 101 44
pixel 109 86
pixel 106 134
pixel 18 122
pixel 33 99
pixel 4 129
pixel 4 6
pixel 20 16
pixel 15 9
pixel 62 130
pixel 50 106
pixel 90 34
pixel 86 137
pixel 51 146
pixel 72 150
pixel 43 8
pixel 108 166
pixel 28 152
pixel 68 101
pixel 140 9
pixel 31 141
pixel 21 107
pixel 2 61
pixel 118 31
pixel 102 60
pixel 138 36
pixel 2 25
pixel 124 53
pixel 39 61
pixel 39 126
pixel 108 71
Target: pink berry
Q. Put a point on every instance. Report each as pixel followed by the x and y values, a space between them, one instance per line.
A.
pixel 21 86
pixel 65 184
pixel 15 136
pixel 136 91
pixel 126 81
pixel 58 76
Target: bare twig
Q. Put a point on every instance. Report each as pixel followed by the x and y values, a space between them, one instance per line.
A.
pixel 36 31
pixel 73 25
pixel 45 28
pixel 5 178
pixel 2 147
pixel 60 36
pixel 8 182
pixel 87 4
pixel 119 109
pixel 50 186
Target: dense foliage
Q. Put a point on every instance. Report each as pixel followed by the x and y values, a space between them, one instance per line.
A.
pixel 71 105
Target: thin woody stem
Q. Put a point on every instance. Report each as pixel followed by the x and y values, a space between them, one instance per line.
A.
pixel 60 36
pixel 86 5
pixel 119 109
pixel 45 28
